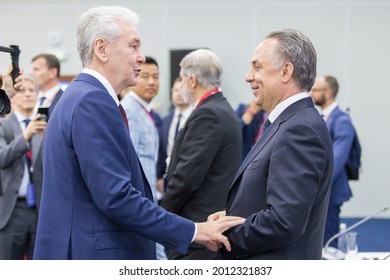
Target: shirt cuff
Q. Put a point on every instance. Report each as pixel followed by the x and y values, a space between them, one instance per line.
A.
pixel 195 231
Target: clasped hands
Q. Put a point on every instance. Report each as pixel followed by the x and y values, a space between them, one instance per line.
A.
pixel 210 232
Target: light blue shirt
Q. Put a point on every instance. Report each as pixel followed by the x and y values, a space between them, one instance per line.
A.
pixel 144 134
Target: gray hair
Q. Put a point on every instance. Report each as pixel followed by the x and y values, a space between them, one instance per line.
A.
pixel 294 47
pixel 204 65
pixel 31 78
pixel 100 22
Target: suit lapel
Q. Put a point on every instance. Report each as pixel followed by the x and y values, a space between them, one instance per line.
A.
pixel 56 98
pixel 260 144
pixel 15 125
pixel 35 147
pixel 90 79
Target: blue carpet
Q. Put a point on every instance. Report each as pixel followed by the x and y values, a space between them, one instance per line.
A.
pixel 373 235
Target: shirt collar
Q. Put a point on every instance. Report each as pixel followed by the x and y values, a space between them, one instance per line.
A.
pixel 49 94
pixel 104 81
pixel 146 105
pixel 185 114
pixel 284 104
pixel 206 94
pixel 20 117
pixel 328 110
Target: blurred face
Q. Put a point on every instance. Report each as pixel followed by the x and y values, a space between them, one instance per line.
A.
pixel 318 92
pixel 25 100
pixel 264 78
pixel 147 83
pixel 123 59
pixel 185 88
pixel 42 72
pixel 177 95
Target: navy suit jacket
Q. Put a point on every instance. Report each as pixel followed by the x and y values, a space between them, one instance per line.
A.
pixel 282 189
pixel 55 100
pixel 342 134
pixel 249 132
pixel 96 202
pixel 163 133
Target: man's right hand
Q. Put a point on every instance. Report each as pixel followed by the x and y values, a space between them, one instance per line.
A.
pixel 210 234
pixel 37 125
pixel 8 85
pixel 250 112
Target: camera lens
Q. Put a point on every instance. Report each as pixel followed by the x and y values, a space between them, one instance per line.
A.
pixel 5 104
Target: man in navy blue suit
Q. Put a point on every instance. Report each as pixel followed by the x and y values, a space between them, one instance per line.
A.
pixel 251 118
pixel 96 201
pixel 342 133
pixel 282 187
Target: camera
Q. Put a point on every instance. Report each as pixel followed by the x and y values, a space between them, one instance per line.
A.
pixel 5 104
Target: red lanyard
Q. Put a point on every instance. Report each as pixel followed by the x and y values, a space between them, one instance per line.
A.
pixel 206 95
pixel 147 112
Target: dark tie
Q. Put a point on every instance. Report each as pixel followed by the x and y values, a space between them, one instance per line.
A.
pixel 124 117
pixel 41 100
pixel 264 127
pixel 30 187
pixel 153 114
pixel 177 125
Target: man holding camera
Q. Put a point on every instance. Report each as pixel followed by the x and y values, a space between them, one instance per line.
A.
pixel 21 174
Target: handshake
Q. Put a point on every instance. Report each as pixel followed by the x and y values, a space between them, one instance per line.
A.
pixel 210 234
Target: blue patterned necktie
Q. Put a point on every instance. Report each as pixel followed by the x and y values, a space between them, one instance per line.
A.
pixel 41 100
pixel 30 198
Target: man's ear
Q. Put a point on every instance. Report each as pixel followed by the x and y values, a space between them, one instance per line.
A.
pixel 192 82
pixel 53 73
pixel 287 71
pixel 100 49
pixel 328 94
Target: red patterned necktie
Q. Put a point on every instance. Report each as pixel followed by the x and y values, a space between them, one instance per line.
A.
pixel 124 117
pixel 263 128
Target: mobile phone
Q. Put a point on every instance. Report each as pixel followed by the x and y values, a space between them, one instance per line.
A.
pixel 44 111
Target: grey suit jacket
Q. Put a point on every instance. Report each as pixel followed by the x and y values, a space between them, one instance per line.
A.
pixel 12 159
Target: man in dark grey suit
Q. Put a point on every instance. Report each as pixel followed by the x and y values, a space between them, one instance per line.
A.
pixel 282 187
pixel 207 151
pixel 21 174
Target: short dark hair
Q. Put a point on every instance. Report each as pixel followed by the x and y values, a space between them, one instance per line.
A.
pixel 150 60
pixel 51 60
pixel 332 84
